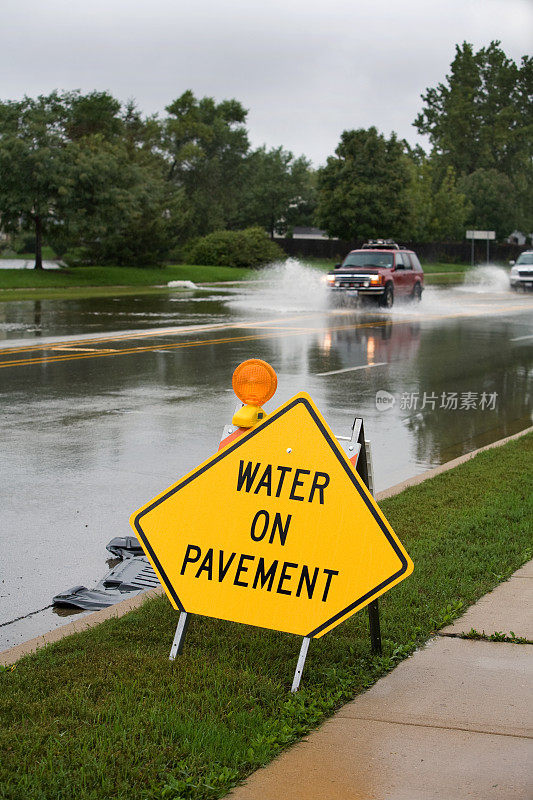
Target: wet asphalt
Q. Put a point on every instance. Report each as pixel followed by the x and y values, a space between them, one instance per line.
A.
pixel 107 401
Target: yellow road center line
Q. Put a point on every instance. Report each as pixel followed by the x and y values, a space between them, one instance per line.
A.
pixel 179 345
pixel 148 334
pixel 83 349
pixel 131 350
pixel 203 342
pixel 69 344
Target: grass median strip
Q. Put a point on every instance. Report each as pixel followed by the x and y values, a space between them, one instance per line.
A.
pixel 78 282
pixel 444 279
pixel 104 714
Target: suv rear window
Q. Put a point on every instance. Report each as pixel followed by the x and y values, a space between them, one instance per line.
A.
pixel 403 258
pixel 369 258
pixel 415 262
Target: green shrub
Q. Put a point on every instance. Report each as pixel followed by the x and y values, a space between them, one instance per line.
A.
pixel 77 257
pixel 247 248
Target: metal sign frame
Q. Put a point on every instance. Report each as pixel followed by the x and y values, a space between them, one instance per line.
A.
pixel 404 565
pixel 357 449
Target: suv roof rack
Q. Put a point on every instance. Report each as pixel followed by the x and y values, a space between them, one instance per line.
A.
pixel 383 244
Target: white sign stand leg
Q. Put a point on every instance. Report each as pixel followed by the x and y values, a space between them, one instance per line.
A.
pixel 300 665
pixel 179 636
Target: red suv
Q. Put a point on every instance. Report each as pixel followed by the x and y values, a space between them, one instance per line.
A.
pixel 380 269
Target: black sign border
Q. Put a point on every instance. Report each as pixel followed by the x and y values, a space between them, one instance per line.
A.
pixel 366 598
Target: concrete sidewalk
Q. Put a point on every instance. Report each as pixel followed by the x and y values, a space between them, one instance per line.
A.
pixel 452 722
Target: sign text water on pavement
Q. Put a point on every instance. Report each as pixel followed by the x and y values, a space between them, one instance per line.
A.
pixel 276 530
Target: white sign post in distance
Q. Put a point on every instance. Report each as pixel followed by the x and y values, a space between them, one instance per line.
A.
pixel 483 235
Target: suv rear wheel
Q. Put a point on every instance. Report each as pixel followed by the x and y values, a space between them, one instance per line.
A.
pixel 416 295
pixel 387 298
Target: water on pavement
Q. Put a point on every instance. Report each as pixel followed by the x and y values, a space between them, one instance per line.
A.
pixel 106 401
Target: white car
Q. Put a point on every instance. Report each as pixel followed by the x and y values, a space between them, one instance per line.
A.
pixel 522 271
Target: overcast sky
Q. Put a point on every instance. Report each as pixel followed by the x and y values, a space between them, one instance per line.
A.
pixel 305 71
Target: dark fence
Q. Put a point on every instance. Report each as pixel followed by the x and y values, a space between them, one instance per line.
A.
pixel 445 252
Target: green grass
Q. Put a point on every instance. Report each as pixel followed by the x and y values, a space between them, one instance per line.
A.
pixel 104 714
pixel 439 268
pixel 449 279
pixel 117 276
pixel 497 636
pixel 28 284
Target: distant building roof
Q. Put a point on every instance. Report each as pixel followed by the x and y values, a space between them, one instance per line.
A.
pixel 517 237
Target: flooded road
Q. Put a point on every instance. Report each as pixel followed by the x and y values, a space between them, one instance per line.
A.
pixel 107 401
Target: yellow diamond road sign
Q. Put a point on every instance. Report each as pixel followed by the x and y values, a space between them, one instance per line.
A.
pixel 275 530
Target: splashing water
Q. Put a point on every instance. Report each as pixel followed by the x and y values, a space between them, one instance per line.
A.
pixel 284 286
pixel 435 300
pixel 293 285
pixel 486 280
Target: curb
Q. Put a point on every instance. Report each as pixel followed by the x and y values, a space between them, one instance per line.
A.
pixel 8 657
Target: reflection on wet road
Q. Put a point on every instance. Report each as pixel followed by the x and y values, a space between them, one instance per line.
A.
pixel 89 436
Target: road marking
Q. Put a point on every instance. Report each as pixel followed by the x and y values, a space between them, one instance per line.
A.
pixel 350 369
pixel 148 334
pixel 519 338
pixel 178 345
pixel 65 349
pixel 101 353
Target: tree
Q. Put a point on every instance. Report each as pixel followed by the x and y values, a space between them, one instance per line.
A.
pixel 277 190
pixel 492 196
pixel 206 144
pixel 78 169
pixel 440 207
pixel 92 114
pixel 481 118
pixel 115 208
pixel 36 141
pixel 33 168
pixel 450 208
pixel 364 190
